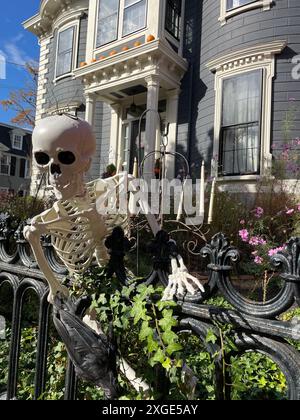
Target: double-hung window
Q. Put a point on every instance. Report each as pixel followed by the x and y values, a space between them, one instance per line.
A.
pixel 17 142
pixel 173 17
pixel 233 4
pixel 5 165
pixel 240 136
pixel 134 16
pixel 65 51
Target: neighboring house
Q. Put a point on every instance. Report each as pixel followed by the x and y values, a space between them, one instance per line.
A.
pixel 15 160
pixel 222 73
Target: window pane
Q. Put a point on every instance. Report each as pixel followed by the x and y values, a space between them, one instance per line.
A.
pixel 107 21
pixel 232 4
pixel 134 16
pixel 173 17
pixel 242 99
pixel 65 52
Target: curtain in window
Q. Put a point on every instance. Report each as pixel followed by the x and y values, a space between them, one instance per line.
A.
pixel 108 21
pixel 134 16
pixel 232 4
pixel 240 133
pixel 65 52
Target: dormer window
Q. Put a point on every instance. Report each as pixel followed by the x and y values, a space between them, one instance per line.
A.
pixel 65 51
pixel 17 142
pixel 120 18
pixel 173 17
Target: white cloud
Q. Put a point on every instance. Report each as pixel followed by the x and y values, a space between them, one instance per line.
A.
pixel 14 52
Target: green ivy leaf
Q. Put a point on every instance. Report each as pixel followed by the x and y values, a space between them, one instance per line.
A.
pixel 173 348
pixel 211 337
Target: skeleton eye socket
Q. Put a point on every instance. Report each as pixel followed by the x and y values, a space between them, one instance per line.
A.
pixel 66 158
pixel 42 158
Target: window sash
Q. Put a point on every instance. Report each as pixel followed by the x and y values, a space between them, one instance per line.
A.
pixel 173 17
pixel 108 22
pixel 65 51
pixel 234 4
pixel 240 136
pixel 134 16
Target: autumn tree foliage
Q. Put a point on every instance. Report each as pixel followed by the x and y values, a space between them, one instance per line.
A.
pixel 23 101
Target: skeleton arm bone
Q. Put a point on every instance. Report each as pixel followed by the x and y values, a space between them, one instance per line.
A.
pixel 33 235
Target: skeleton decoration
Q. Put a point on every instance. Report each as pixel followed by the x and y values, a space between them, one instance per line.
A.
pixel 63 147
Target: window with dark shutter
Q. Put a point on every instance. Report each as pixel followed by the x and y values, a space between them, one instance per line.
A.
pixel 13 164
pixel 22 168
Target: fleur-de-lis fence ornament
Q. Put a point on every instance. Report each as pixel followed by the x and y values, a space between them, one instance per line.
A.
pixel 288 261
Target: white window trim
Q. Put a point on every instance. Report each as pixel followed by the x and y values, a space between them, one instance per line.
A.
pixel 75 24
pixel 236 63
pixel 13 141
pixel 120 37
pixel 8 164
pixel 224 15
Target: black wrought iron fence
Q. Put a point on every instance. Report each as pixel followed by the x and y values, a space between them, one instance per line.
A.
pixel 256 325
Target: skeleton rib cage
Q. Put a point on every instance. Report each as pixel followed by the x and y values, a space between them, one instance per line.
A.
pixel 75 236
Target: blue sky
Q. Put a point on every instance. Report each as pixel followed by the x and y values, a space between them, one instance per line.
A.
pixel 17 45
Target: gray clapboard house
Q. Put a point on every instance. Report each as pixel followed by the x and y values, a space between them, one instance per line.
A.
pixel 222 73
pixel 15 160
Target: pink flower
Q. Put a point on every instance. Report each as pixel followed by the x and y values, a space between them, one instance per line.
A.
pixel 258 260
pixel 259 212
pixel 244 234
pixel 298 207
pixel 290 211
pixel 256 240
pixel 275 251
pixel 242 222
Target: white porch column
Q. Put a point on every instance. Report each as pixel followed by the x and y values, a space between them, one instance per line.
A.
pixel 172 116
pixel 90 105
pixel 152 123
pixel 114 134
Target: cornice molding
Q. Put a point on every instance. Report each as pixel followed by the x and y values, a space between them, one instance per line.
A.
pixel 246 56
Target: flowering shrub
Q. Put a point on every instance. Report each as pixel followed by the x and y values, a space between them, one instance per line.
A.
pixel 266 233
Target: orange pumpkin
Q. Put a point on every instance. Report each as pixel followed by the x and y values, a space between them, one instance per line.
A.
pixel 93 60
pixel 137 44
pixel 126 48
pixel 112 53
pixel 83 63
pixel 102 57
pixel 150 38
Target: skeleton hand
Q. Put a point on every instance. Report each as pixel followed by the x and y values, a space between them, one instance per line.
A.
pixel 180 281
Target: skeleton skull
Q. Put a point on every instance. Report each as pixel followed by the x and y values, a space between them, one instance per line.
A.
pixel 63 146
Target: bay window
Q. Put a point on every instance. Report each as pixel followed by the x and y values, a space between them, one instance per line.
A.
pixel 173 17
pixel 65 51
pixel 240 136
pixel 119 18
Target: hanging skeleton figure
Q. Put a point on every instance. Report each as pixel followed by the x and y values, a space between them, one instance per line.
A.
pixel 63 147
